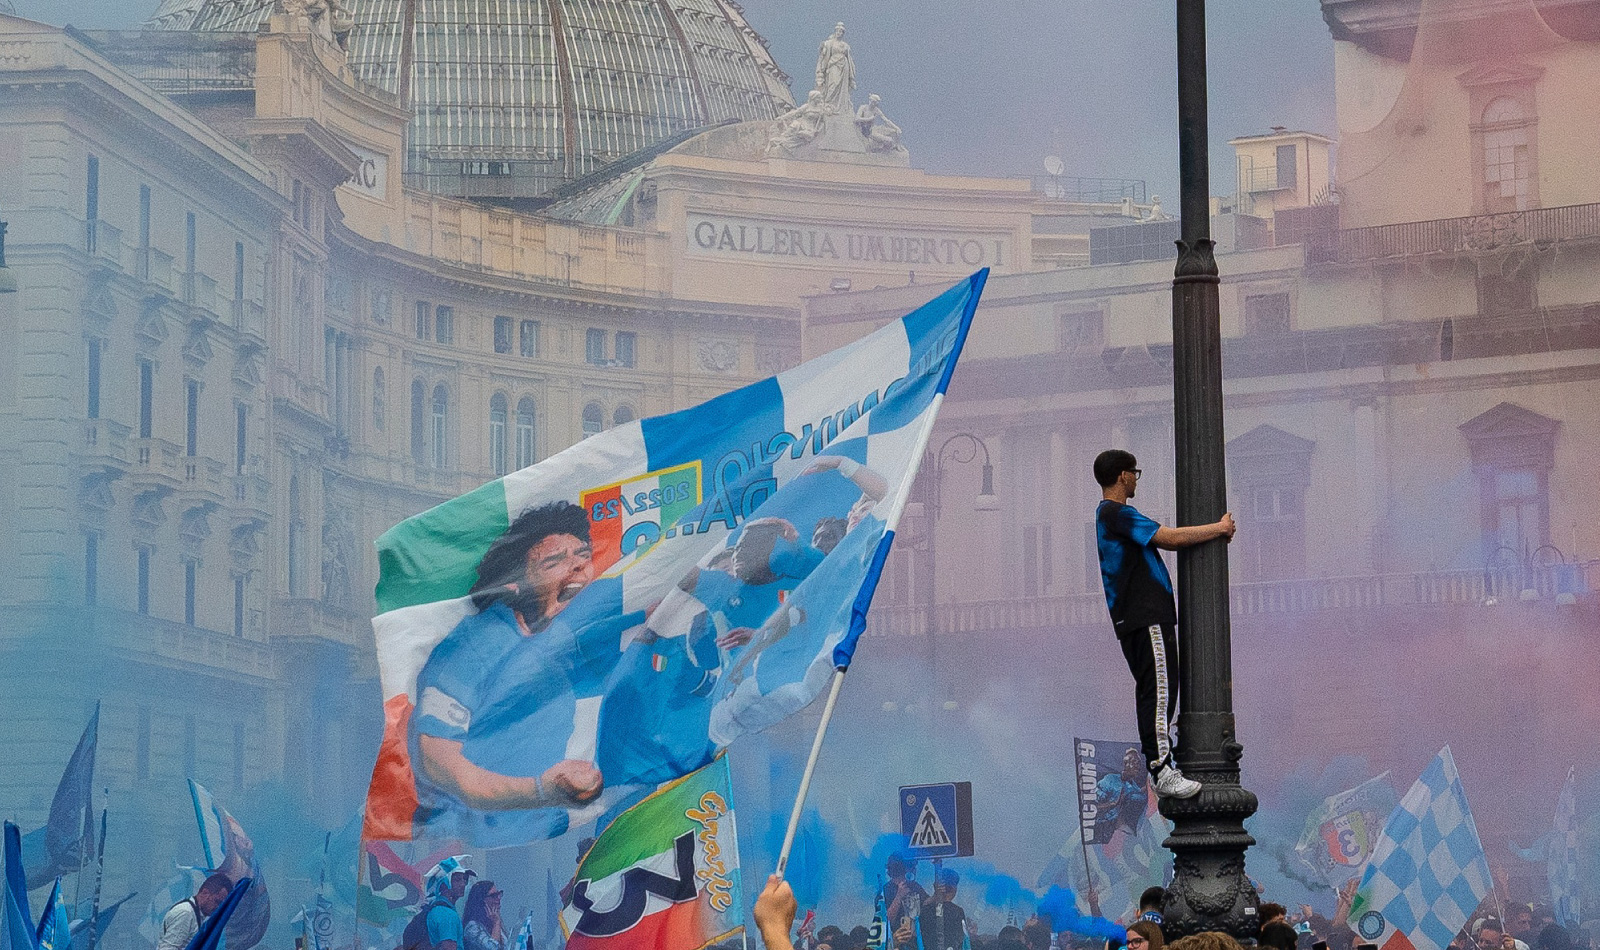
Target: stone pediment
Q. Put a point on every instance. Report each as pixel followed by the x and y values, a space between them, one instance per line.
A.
pixel 1509 436
pixel 244 538
pixel 1508 420
pixel 149 509
pixel 1269 455
pixel 1269 440
pixel 94 491
pixel 197 348
pixel 196 523
pixel 1500 74
pixel 247 368
pixel 99 302
pixel 152 325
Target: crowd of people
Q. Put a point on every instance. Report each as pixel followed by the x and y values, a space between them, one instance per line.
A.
pixel 919 920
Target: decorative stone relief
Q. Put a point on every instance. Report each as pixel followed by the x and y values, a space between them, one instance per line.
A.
pixel 719 356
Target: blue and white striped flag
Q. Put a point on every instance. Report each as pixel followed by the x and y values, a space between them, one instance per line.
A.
pixel 1563 866
pixel 1428 872
pixel 614 615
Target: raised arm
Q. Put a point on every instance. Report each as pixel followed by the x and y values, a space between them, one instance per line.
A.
pixel 563 784
pixel 1171 539
pixel 774 913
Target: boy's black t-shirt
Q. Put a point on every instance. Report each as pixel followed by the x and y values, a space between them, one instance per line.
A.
pixel 1138 588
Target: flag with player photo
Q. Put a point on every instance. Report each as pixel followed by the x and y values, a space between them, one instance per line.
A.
pixel 572 635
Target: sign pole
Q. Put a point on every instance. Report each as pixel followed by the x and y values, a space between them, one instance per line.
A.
pixel 811 767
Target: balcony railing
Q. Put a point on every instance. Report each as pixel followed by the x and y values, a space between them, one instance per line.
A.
pixel 1477 588
pixel 249 317
pixel 1263 179
pixel 1481 232
pixel 154 266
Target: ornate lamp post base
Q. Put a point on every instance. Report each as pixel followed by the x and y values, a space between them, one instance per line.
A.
pixel 1210 890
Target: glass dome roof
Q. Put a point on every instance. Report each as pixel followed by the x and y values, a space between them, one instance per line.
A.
pixel 512 98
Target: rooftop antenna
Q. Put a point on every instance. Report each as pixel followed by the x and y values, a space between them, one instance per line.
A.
pixel 1055 187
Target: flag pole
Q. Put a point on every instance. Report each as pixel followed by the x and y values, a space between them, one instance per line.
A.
pixel 811 767
pixel 1088 873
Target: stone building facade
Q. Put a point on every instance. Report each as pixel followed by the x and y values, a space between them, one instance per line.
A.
pixel 1413 423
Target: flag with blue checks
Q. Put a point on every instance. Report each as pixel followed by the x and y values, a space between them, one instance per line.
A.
pixel 573 634
pixel 1428 872
pixel 1563 856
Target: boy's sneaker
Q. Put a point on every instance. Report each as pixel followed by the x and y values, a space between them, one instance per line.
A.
pixel 1170 783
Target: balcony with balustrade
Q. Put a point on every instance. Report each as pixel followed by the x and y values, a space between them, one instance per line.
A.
pixel 1537 229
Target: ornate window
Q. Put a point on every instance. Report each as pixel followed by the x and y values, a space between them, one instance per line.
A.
pixel 502 334
pixel 1504 136
pixel 440 428
pixel 622 416
pixel 1513 453
pixel 594 419
pixel 497 433
pixel 1507 159
pixel 525 432
pixel 1269 471
pixel 528 340
pixel 594 348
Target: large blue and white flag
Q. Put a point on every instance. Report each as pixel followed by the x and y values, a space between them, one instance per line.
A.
pixel 1428 872
pixel 1563 857
pixel 611 617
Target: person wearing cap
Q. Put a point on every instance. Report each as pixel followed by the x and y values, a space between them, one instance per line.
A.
pixel 943 924
pixel 437 926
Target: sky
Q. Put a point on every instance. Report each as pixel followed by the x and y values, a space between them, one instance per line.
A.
pixel 992 87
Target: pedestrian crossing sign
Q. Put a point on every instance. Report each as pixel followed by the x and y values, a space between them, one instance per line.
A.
pixel 937 820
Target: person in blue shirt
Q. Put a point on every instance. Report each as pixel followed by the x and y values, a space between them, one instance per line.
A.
pixel 503 734
pixel 1121 797
pixel 1143 612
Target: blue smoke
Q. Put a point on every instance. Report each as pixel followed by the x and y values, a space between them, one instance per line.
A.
pixel 1060 906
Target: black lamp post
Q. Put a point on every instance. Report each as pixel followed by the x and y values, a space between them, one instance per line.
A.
pixel 961 448
pixel 1210 890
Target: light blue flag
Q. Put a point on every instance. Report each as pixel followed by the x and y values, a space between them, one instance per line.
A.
pixel 1564 858
pixel 55 924
pixel 18 932
pixel 1428 872
pixel 621 611
pixel 229 851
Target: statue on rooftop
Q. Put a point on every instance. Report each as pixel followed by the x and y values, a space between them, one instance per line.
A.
pixel 836 73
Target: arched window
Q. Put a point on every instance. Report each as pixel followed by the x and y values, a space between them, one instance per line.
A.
pixel 594 419
pixel 497 433
pixel 419 424
pixel 622 416
pixel 525 432
pixel 377 399
pixel 1507 158
pixel 441 414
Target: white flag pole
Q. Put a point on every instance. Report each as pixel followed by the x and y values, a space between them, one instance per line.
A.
pixel 811 767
